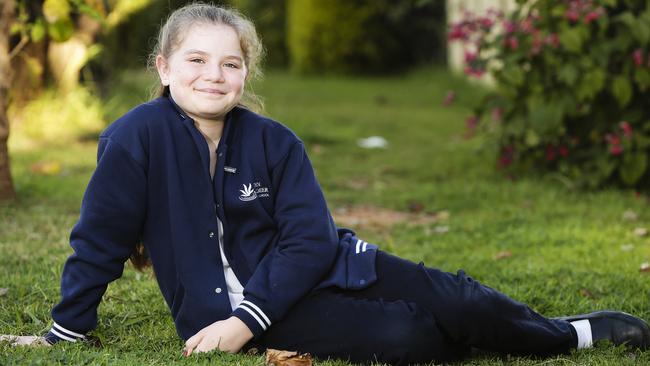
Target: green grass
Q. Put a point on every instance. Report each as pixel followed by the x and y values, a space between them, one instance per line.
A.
pixel 565 244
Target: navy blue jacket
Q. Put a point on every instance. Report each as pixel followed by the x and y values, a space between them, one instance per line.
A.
pixel 152 184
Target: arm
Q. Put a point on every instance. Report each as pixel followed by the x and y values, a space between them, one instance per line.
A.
pixel 110 223
pixel 306 248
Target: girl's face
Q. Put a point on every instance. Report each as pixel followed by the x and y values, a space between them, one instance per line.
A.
pixel 206 72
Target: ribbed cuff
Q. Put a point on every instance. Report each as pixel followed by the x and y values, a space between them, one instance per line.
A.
pixel 253 316
pixel 57 334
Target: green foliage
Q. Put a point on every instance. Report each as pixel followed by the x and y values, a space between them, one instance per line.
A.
pixel 57 118
pixel 572 90
pixel 270 19
pixel 363 36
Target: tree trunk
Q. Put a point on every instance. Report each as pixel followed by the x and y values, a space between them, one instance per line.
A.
pixel 7 8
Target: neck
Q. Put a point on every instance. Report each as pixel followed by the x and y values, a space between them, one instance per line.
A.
pixel 211 129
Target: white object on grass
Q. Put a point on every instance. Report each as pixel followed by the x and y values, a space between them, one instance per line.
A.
pixel 373 142
pixel 24 340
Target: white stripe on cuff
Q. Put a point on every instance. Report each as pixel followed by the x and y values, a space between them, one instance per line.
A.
pixel 365 244
pixel 56 333
pixel 358 245
pixel 68 332
pixel 255 316
pixel 258 310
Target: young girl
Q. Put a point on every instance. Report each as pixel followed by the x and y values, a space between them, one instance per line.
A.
pixel 243 246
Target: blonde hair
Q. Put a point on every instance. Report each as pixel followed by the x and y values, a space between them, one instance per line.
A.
pixel 181 20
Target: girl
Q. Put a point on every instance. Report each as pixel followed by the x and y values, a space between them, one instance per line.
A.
pixel 243 246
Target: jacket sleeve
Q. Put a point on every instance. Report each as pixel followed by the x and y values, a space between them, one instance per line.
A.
pixel 110 223
pixel 306 248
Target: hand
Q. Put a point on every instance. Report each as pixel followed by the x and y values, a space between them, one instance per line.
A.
pixel 228 335
pixel 24 340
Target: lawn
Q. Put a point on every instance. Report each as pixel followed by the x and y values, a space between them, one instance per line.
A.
pixel 559 249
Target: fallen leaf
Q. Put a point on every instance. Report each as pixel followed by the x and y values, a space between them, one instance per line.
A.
pixel 640 231
pixel 317 149
pixel 645 267
pixel 24 340
pixel 416 207
pixel 441 229
pixel 381 100
pixel 276 357
pixel 630 215
pixel 627 247
pixel 3 291
pixel 586 293
pixel 46 168
pixel 503 255
pixel 442 215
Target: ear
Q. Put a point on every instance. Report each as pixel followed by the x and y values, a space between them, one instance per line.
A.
pixel 163 70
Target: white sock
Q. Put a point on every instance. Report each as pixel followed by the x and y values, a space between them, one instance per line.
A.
pixel 583 329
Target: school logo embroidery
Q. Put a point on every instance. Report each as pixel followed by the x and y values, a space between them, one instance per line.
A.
pixel 247 194
pixel 253 191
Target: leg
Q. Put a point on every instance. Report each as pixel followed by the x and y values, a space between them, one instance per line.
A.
pixel 333 325
pixel 468 312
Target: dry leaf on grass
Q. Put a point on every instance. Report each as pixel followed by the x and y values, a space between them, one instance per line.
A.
pixel 276 357
pixel 24 340
pixel 46 168
pixel 586 293
pixel 640 231
pixel 503 255
pixel 627 247
pixel 3 291
pixel 645 267
pixel 630 215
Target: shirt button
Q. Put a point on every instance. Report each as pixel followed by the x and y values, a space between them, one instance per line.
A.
pixel 217 290
pixel 220 154
pixel 362 282
pixel 218 205
pixel 211 234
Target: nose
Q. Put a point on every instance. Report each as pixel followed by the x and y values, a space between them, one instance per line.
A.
pixel 214 73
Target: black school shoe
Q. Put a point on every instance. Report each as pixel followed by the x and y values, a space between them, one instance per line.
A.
pixel 617 327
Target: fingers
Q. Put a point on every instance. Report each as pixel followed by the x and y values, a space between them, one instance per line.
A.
pixel 191 343
pixel 207 344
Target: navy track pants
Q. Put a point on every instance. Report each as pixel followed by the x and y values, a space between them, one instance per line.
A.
pixel 414 314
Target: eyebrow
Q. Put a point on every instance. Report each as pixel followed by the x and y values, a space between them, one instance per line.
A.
pixel 189 52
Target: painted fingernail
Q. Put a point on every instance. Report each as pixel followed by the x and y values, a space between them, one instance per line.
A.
pixel 185 353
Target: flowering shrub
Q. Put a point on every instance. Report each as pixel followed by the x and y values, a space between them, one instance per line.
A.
pixel 572 92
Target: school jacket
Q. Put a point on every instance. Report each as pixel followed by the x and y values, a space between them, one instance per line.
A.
pixel 152 183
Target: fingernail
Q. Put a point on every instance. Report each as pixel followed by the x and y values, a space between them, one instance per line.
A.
pixel 185 352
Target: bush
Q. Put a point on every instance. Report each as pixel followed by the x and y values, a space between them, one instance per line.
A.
pixel 572 88
pixel 270 19
pixel 367 36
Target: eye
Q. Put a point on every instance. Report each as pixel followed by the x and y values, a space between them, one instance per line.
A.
pixel 197 60
pixel 231 65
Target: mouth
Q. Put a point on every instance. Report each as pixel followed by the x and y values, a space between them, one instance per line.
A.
pixel 211 91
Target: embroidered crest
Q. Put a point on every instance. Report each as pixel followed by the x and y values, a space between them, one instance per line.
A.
pixel 248 193
pixel 253 191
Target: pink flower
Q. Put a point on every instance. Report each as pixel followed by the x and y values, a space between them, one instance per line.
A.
pixel 627 128
pixel 637 56
pixel 612 139
pixel 572 15
pixel 527 26
pixel 550 153
pixel 591 16
pixel 497 114
pixel 507 156
pixel 616 149
pixel 563 150
pixel 553 40
pixel 457 33
pixel 486 23
pixel 509 27
pixel 473 71
pixel 449 98
pixel 470 125
pixel 470 56
pixel 513 43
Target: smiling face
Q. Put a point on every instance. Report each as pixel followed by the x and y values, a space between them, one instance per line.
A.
pixel 205 72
